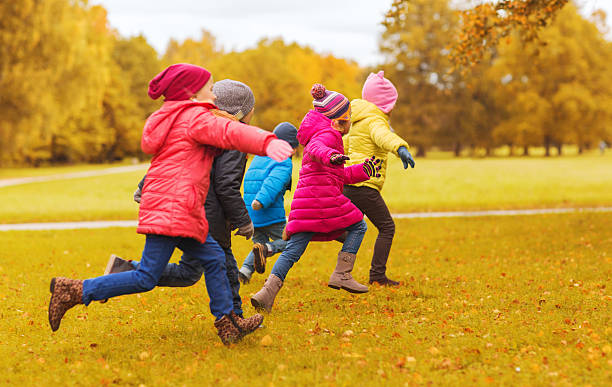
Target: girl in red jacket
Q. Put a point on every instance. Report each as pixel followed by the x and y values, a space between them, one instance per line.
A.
pixel 181 136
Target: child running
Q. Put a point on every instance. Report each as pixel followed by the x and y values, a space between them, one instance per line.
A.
pixel 225 209
pixel 371 134
pixel 265 184
pixel 319 211
pixel 179 135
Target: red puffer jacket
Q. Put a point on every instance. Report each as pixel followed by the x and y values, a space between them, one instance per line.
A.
pixel 182 136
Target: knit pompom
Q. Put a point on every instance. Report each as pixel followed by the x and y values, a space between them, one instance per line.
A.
pixel 317 91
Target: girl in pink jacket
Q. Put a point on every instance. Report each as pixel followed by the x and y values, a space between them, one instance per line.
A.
pixel 182 135
pixel 319 211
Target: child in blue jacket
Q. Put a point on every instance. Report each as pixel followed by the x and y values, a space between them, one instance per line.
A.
pixel 265 184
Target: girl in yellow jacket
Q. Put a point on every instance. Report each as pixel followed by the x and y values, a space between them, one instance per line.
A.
pixel 371 135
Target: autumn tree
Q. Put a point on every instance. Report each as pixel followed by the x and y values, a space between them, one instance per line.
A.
pixel 417 34
pixel 483 26
pixel 560 86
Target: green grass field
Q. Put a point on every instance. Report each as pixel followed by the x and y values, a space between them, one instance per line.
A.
pixel 434 185
pixel 522 300
pixel 510 300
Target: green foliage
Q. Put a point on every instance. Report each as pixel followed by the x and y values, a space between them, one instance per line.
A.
pixel 502 301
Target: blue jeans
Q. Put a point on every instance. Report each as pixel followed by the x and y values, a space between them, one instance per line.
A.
pixel 273 232
pixel 298 243
pixel 155 256
pixel 189 270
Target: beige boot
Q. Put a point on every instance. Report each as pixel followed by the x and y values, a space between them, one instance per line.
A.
pixel 264 299
pixel 65 293
pixel 341 278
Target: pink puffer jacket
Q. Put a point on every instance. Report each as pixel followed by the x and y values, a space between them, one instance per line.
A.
pixel 318 204
pixel 183 137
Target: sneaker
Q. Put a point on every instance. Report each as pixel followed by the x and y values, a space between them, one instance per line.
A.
pixel 260 252
pixel 116 265
pixel 243 278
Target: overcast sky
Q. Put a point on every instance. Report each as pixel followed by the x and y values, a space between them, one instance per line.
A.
pixel 347 28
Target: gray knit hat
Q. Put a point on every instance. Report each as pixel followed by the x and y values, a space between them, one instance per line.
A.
pixel 234 97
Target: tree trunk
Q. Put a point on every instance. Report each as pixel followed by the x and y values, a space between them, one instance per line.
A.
pixel 580 149
pixel 526 150
pixel 559 149
pixel 421 152
pixel 457 149
pixel 511 149
pixel 547 145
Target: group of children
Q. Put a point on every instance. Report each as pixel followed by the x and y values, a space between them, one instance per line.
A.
pixel 190 198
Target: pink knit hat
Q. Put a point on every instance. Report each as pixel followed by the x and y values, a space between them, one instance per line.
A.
pixel 178 82
pixel 380 91
pixel 330 103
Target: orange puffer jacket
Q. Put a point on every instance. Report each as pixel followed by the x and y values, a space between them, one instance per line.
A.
pixel 182 136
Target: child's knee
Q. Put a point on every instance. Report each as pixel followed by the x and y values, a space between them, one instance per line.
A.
pixel 388 228
pixel 145 281
pixel 363 226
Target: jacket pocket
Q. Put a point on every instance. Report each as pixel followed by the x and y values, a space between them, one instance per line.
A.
pixel 192 199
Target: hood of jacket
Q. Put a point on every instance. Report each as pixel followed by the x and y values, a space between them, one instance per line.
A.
pixel 361 109
pixel 312 123
pixel 159 123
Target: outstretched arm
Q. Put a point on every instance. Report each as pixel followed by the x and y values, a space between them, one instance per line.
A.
pixel 319 151
pixel 221 132
pixel 384 138
pixel 355 174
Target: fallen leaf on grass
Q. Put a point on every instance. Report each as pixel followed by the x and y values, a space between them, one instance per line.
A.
pixel 266 341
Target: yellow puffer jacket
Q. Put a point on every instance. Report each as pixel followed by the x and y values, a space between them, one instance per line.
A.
pixel 370 135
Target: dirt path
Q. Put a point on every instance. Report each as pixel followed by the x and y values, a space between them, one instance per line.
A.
pixel 71 175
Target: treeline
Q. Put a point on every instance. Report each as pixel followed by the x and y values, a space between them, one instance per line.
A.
pixel 555 90
pixel 74 90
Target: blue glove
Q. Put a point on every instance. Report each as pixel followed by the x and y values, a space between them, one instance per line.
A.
pixel 405 156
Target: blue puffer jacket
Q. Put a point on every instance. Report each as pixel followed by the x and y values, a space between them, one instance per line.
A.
pixel 266 181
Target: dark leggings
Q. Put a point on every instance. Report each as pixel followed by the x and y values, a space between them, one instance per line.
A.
pixel 371 203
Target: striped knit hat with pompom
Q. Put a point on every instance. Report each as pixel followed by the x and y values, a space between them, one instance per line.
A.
pixel 329 103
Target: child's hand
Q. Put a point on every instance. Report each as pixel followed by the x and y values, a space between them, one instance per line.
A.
pixel 406 157
pixel 338 159
pixel 246 231
pixel 371 167
pixel 279 150
pixel 256 205
pixel 137 195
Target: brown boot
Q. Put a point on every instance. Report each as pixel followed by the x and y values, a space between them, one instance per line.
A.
pixel 247 325
pixel 65 293
pixel 264 299
pixel 341 278
pixel 231 328
pixel 227 331
pixel 260 254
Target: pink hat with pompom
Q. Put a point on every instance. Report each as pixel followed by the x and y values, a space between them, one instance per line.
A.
pixel 380 91
pixel 331 104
